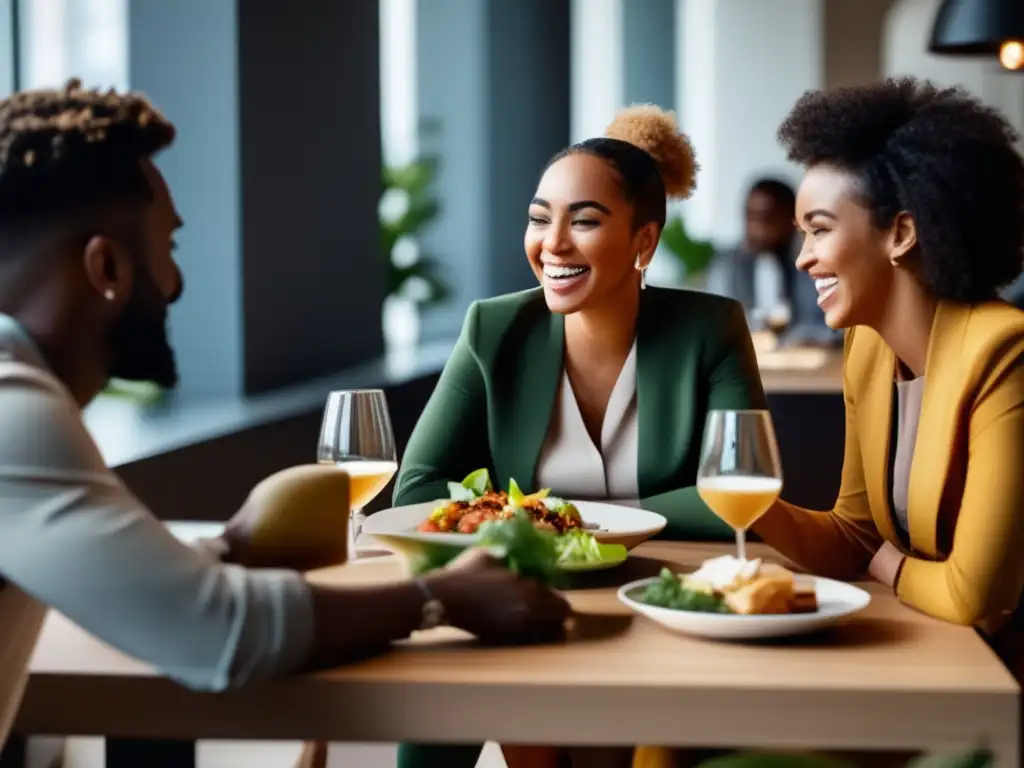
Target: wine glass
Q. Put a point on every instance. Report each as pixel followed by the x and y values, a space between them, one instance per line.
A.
pixel 740 473
pixel 356 436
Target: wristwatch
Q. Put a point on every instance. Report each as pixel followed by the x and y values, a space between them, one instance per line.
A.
pixel 433 609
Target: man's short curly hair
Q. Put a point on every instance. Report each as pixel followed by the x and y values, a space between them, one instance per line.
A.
pixel 936 153
pixel 71 150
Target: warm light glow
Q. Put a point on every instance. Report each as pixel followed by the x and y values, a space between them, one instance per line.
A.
pixel 1011 54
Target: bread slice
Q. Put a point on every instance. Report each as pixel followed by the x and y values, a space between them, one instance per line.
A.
pixel 772 593
pixel 805 599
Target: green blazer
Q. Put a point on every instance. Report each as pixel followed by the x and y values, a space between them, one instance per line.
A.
pixel 495 398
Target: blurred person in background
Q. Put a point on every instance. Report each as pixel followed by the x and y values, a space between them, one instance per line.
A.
pixel 86 279
pixel 761 274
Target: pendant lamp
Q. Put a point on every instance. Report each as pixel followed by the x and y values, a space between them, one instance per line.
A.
pixel 981 28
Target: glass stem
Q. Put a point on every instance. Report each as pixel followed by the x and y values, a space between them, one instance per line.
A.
pixel 355 527
pixel 741 544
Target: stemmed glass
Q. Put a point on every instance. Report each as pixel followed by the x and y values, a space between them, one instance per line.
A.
pixel 356 436
pixel 740 473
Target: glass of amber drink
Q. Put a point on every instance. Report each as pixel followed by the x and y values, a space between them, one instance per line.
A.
pixel 356 436
pixel 740 473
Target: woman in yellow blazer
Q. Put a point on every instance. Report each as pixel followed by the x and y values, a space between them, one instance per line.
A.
pixel 912 210
pixel 913 214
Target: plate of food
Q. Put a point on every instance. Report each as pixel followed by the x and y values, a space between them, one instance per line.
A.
pixel 731 599
pixel 525 547
pixel 474 501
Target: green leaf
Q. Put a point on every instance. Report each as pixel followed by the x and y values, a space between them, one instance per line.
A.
pixel 415 179
pixel 425 556
pixel 515 493
pixel 478 481
pixel 693 255
pixel 459 492
pixel 142 392
pixel 515 541
pixel 417 216
pixel 579 549
pixel 529 551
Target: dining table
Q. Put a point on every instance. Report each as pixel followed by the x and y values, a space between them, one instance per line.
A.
pixel 888 678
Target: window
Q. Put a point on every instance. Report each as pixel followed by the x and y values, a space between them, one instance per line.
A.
pixel 60 39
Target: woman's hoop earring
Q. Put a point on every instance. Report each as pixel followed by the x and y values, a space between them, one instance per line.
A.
pixel 642 271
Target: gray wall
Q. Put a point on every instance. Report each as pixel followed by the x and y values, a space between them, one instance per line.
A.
pixel 309 105
pixel 198 92
pixel 451 79
pixel 649 43
pixel 276 172
pixel 529 122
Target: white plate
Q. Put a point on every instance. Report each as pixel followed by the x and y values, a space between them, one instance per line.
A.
pixel 616 524
pixel 836 602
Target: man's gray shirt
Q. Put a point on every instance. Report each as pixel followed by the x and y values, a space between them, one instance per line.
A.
pixel 73 537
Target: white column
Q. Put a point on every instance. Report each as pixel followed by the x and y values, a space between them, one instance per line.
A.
pixel 7 67
pixel 905 52
pixel 398 99
pixel 741 65
pixel 82 38
pixel 596 66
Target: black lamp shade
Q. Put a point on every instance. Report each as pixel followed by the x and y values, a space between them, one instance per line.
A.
pixel 976 27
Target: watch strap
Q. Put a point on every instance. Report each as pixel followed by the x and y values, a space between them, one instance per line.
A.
pixel 433 609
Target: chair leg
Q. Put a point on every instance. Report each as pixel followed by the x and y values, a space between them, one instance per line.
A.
pixel 314 755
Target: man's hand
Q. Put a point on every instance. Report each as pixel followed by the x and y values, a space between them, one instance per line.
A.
pixel 885 565
pixel 296 518
pixel 238 532
pixel 481 596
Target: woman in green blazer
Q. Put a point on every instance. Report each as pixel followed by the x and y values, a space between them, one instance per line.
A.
pixel 590 384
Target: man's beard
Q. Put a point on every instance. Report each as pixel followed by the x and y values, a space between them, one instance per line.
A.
pixel 142 351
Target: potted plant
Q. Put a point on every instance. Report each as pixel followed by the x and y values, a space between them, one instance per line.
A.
pixel 691 256
pixel 413 277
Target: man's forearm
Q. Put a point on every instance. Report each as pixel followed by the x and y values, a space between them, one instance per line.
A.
pixel 348 621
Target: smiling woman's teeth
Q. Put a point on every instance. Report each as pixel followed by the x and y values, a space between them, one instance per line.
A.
pixel 825 286
pixel 560 273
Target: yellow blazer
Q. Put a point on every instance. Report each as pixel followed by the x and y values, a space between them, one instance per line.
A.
pixel 965 549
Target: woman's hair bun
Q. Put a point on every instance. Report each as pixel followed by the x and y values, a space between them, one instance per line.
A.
pixel 654 130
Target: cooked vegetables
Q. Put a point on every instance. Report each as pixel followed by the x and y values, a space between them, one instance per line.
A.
pixel 475 502
pixel 670 592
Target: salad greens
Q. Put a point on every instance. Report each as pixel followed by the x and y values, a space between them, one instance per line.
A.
pixel 477 483
pixel 579 547
pixel 669 592
pixel 473 486
pixel 527 549
pixel 517 498
pixel 524 547
pixel 516 541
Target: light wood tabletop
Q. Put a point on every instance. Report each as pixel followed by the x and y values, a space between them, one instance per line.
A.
pixel 889 679
pixel 801 371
